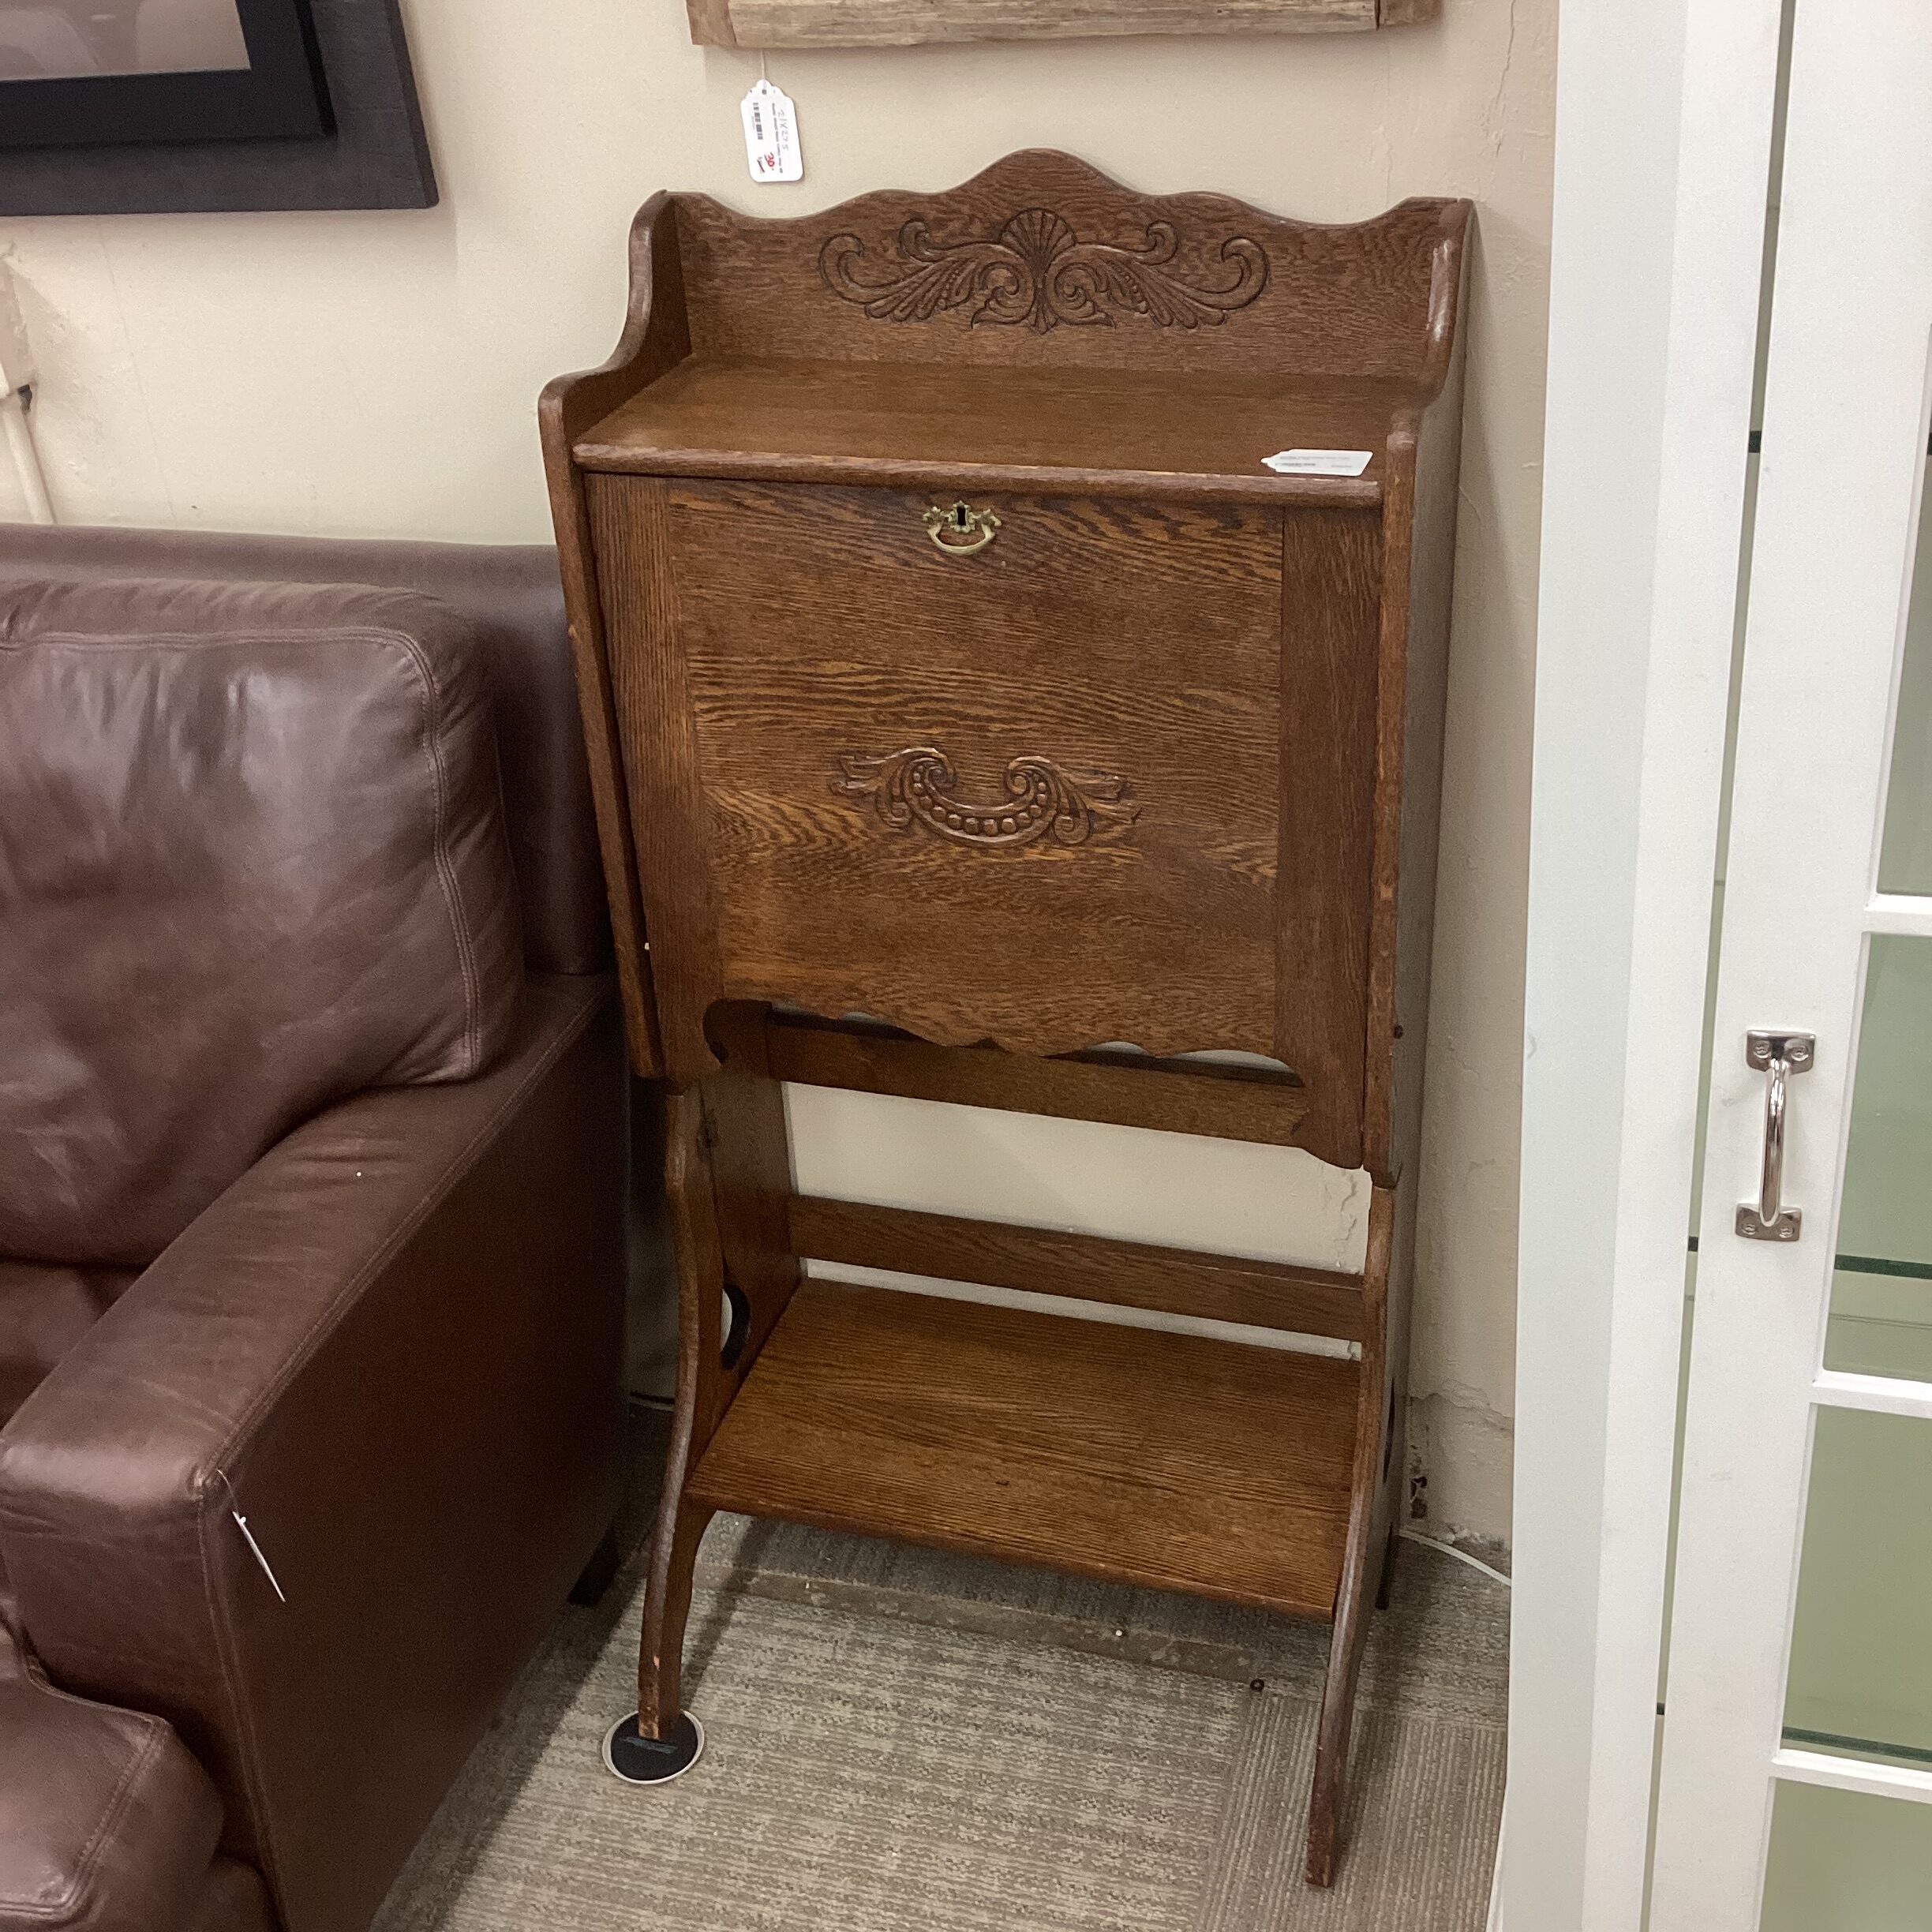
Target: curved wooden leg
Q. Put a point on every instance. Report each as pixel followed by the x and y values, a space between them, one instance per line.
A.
pixel 1337 1722
pixel 680 1524
pixel 673 1556
pixel 727 1175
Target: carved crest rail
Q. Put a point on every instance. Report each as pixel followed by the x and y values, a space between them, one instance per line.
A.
pixel 1037 272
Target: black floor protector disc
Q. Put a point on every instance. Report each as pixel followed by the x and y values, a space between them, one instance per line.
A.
pixel 640 1760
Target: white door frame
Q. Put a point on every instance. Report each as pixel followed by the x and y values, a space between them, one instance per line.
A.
pixel 1845 427
pixel 1665 113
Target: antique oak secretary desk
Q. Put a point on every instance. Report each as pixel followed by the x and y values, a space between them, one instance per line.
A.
pixel 949 658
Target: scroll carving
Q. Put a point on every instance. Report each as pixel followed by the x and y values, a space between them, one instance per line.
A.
pixel 1035 271
pixel 1044 801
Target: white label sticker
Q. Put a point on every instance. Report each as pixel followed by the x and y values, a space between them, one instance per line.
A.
pixel 771 135
pixel 1319 463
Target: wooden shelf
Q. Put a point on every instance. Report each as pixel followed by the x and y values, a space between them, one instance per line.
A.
pixel 1165 1460
pixel 919 425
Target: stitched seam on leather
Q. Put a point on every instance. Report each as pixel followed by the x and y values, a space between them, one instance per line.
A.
pixel 227 1650
pixel 83 1872
pixel 459 1168
pixel 319 1331
pixel 446 868
pixel 110 1816
pixel 323 1324
pixel 446 865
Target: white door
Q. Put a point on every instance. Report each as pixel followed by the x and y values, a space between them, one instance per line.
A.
pixel 1796 1793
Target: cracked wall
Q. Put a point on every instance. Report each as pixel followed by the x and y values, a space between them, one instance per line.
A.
pixel 375 374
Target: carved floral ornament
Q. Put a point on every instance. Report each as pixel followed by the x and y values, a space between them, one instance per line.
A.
pixel 915 787
pixel 1036 270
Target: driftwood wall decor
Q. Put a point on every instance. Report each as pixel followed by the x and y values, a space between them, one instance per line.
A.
pixel 901 23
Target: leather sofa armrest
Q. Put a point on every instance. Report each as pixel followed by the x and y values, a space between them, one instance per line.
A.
pixel 107 1824
pixel 394 1347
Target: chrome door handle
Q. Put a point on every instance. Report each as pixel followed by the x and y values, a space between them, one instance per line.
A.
pixel 1781 1055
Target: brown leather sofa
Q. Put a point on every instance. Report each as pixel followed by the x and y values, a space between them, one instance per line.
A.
pixel 289 1490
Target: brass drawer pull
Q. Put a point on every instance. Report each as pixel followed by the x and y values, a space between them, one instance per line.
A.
pixel 962 530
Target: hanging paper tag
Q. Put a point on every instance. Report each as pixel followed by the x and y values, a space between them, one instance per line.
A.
pixel 1319 463
pixel 771 135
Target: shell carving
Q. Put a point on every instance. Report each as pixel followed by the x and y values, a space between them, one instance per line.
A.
pixel 1036 272
pixel 914 786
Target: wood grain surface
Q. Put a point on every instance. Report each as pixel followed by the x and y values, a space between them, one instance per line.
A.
pixel 901 23
pixel 1130 1090
pixel 1365 1553
pixel 654 341
pixel 1342 300
pixel 750 1155
pixel 1160 1459
pixel 637 588
pixel 1090 1268
pixel 701 1400
pixel 1138 642
pixel 1422 601
pixel 1331 574
pixel 1051 431
pixel 813 627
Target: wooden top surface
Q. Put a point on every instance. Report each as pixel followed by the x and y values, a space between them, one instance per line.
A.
pixel 1165 1460
pixel 915 426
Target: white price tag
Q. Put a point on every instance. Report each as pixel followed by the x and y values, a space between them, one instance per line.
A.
pixel 1319 463
pixel 771 135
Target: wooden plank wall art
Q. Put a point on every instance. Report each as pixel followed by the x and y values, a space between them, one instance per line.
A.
pixel 950 656
pixel 900 22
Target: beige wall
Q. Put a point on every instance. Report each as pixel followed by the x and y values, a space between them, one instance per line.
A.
pixel 375 374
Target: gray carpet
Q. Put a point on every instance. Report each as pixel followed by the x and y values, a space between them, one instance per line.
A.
pixel 903 1741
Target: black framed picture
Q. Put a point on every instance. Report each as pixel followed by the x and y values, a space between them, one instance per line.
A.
pixel 150 107
pixel 79 72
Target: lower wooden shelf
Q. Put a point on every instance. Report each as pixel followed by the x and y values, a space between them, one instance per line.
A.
pixel 1167 1460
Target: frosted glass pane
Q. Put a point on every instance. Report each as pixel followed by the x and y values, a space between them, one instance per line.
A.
pixel 1861 1670
pixel 1905 858
pixel 1843 1862
pixel 1881 1290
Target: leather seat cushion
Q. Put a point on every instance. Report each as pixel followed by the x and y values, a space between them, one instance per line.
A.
pixel 107 1823
pixel 252 860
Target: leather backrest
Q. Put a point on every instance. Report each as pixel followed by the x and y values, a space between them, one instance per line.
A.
pixel 252 860
pixel 511 594
pixel 45 1309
